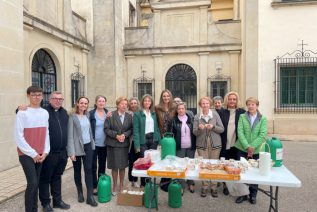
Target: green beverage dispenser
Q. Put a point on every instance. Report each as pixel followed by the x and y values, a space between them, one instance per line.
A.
pixel 104 188
pixel 175 194
pixel 276 148
pixel 150 195
pixel 168 145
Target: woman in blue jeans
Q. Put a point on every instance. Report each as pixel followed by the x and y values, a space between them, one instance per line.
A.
pixel 146 134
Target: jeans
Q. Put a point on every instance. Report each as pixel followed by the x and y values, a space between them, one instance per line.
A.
pixel 32 173
pixel 100 155
pixel 51 176
pixel 87 161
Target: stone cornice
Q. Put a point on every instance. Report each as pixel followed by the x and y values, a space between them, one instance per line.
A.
pixel 36 23
pixel 184 49
pixel 179 4
pixel 234 52
pixel 279 3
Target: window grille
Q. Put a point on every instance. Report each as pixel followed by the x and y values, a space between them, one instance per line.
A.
pixel 78 86
pixel 296 82
pixel 181 80
pixel 44 74
pixel 218 85
pixel 143 85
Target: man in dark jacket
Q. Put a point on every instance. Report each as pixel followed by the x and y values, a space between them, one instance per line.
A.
pixel 55 163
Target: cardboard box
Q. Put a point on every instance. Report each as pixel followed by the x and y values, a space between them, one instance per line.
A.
pixel 130 199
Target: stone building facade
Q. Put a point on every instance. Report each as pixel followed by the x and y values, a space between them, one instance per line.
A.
pixel 42 43
pixel 187 49
pixel 280 62
pixel 132 47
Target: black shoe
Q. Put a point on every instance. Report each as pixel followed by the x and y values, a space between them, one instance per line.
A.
pixel 225 191
pixel 47 208
pixel 252 200
pixel 91 201
pixel 62 205
pixel 214 193
pixel 80 194
pixel 241 199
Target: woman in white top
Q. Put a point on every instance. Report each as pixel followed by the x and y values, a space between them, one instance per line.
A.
pixel 146 133
pixel 80 148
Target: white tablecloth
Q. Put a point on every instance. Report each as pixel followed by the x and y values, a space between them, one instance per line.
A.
pixel 279 176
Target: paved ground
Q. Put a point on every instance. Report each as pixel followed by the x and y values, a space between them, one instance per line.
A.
pixel 299 157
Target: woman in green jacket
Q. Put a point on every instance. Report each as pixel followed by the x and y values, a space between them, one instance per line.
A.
pixel 252 131
pixel 146 133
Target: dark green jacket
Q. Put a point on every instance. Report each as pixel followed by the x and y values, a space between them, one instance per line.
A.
pixel 251 136
pixel 139 129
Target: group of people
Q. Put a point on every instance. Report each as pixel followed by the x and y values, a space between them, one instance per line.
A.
pixel 120 137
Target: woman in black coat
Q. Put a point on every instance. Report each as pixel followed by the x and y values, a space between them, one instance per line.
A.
pixel 229 115
pixel 182 128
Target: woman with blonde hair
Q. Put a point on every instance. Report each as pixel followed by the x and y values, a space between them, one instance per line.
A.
pixel 252 131
pixel 118 129
pixel 80 148
pixel 229 115
pixel 207 128
pixel 97 118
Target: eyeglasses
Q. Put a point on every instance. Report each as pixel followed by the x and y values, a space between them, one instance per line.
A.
pixel 58 99
pixel 36 95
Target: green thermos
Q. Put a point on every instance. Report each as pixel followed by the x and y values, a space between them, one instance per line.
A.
pixel 150 195
pixel 276 148
pixel 168 145
pixel 175 194
pixel 104 188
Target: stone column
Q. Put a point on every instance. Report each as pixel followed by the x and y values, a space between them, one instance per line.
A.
pixel 84 55
pixel 158 76
pixel 236 9
pixel 129 68
pixel 157 28
pixel 27 60
pixel 202 75
pixel 235 72
pixel 203 26
pixel 67 69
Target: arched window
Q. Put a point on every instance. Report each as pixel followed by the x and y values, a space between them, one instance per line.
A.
pixel 44 74
pixel 181 80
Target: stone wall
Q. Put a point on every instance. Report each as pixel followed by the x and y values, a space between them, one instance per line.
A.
pixel 12 89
